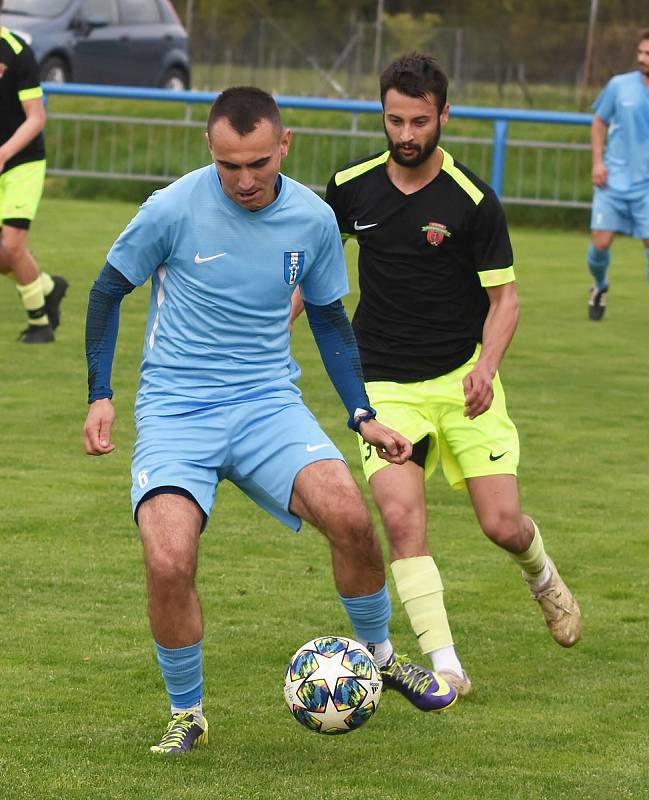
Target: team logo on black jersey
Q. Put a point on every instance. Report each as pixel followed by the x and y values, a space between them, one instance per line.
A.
pixel 293 266
pixel 3 69
pixel 436 232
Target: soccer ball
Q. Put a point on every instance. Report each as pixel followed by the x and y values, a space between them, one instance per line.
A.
pixel 332 685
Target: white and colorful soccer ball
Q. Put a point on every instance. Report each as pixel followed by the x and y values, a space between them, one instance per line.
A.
pixel 332 685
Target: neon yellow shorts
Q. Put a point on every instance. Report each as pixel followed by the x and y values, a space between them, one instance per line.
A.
pixel 468 448
pixel 20 190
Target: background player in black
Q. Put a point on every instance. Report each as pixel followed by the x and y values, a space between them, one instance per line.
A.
pixel 438 309
pixel 22 172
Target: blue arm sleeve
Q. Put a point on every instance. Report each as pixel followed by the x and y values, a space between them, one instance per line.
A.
pixel 102 324
pixel 339 352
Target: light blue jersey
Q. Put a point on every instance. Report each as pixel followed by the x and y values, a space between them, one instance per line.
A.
pixel 623 105
pixel 222 280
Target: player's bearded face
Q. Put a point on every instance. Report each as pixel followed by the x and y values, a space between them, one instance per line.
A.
pixel 411 153
pixel 413 126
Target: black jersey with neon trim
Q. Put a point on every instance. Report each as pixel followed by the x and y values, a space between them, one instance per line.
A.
pixel 19 81
pixel 424 261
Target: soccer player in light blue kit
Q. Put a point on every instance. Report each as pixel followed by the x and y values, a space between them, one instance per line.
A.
pixel 621 176
pixel 225 247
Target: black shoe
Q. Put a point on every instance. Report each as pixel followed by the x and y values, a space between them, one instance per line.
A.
pixel 37 334
pixel 596 303
pixel 53 300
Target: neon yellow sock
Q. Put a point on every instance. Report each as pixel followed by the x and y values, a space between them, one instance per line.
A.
pixel 47 283
pixel 34 302
pixel 420 588
pixel 534 559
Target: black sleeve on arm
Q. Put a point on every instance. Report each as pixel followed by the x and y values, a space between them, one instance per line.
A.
pixel 339 352
pixel 102 325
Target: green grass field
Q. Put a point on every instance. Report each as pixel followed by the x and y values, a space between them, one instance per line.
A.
pixel 81 694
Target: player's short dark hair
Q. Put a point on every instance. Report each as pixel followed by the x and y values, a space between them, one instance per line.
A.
pixel 415 75
pixel 244 107
pixel 644 35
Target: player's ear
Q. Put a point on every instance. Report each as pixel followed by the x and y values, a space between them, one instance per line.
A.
pixel 443 117
pixel 209 144
pixel 285 142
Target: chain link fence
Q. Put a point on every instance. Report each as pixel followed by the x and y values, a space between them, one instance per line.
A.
pixel 534 64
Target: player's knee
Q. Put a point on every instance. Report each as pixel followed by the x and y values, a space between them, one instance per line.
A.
pixel 503 528
pixel 168 568
pixel 11 251
pixel 350 526
pixel 399 520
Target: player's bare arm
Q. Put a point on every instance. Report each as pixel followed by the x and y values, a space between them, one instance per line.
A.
pixel 597 140
pixel 25 133
pixel 498 331
pixel 98 427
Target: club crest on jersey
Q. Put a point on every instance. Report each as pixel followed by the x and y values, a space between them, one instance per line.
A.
pixel 436 232
pixel 293 266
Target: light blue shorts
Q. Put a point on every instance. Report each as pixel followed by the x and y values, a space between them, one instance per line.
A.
pixel 260 445
pixel 627 214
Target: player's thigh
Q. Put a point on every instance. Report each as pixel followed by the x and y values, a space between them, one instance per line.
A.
pixel 610 213
pixel 486 445
pixel 273 439
pixel 181 451
pixel 22 189
pixel 496 504
pixel 404 408
pixel 399 492
pixel 326 495
pixel 170 526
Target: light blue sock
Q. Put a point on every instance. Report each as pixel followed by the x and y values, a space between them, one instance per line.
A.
pixel 182 671
pixel 646 252
pixel 598 261
pixel 369 615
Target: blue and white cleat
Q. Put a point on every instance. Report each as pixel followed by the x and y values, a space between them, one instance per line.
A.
pixel 425 689
pixel 183 732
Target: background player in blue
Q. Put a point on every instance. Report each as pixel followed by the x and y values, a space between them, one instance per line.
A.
pixel 438 308
pixel 621 174
pixel 225 247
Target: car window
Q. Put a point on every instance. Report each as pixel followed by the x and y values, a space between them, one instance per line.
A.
pixel 100 9
pixel 133 12
pixel 35 8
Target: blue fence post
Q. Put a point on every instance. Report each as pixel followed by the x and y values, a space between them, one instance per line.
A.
pixel 498 156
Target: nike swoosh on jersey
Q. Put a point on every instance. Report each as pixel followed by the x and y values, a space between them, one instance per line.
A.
pixel 311 448
pixel 199 260
pixel 358 227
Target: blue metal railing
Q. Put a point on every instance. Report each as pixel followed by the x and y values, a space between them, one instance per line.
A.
pixel 501 117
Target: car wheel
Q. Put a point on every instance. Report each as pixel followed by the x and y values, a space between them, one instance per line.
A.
pixel 175 80
pixel 54 70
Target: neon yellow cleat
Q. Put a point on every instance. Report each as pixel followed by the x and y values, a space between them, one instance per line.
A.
pixel 183 732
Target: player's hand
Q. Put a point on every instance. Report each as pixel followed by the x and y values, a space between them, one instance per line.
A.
pixel 600 175
pixel 478 391
pixel 96 431
pixel 390 445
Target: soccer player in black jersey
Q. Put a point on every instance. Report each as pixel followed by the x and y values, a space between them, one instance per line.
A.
pixel 438 308
pixel 22 173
